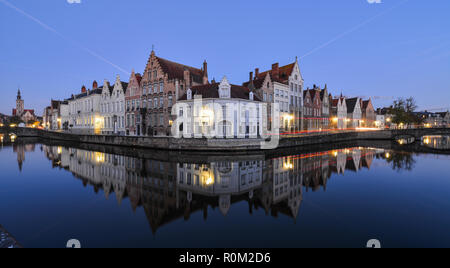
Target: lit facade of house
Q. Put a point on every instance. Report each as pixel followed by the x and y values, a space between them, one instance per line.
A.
pixel 84 111
pixel 228 111
pixel 313 109
pixel 325 100
pixel 354 112
pixel 339 113
pixel 112 107
pixel 284 86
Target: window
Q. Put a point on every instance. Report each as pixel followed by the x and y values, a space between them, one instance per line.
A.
pixel 161 102
pixel 161 120
pixel 161 87
pixel 155 103
pixel 265 97
pixel 170 101
pixel 150 89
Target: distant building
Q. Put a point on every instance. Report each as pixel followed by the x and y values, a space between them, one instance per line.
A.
pixel 20 111
pixel 438 119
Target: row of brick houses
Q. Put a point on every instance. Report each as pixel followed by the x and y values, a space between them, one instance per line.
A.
pixel 143 105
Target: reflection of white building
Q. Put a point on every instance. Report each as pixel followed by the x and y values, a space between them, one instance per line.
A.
pixel 222 179
pixel 287 182
pixel 219 110
pixel 341 161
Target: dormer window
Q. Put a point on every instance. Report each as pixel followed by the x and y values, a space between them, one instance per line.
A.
pixel 189 94
pixel 252 96
pixel 224 89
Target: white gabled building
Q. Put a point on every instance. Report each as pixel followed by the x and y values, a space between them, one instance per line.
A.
pixel 354 112
pixel 339 113
pixel 112 107
pixel 84 111
pixel 222 109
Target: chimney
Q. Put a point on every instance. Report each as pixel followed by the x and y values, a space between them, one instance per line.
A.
pixel 276 70
pixel 251 76
pixel 256 73
pixel 94 85
pixel 83 89
pixel 205 73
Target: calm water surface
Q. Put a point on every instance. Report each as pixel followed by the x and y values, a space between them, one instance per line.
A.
pixel 322 198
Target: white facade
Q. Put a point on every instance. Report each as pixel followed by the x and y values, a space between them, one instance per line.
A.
pixel 84 112
pixel 354 117
pixel 342 114
pixel 64 110
pixel 221 117
pixel 380 121
pixel 112 108
pixel 296 84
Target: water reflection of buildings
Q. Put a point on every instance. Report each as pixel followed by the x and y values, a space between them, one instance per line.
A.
pixel 168 191
pixel 437 142
pixel 20 150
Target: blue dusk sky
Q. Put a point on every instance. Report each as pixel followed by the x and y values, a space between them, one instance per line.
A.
pixel 396 48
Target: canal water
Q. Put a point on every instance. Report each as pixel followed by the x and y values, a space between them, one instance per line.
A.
pixel 340 196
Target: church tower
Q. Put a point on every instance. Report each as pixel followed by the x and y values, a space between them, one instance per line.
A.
pixel 19 104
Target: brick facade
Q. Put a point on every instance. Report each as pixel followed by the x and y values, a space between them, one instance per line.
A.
pixel 163 83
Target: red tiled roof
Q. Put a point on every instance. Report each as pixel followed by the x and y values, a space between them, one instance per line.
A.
pixel 176 70
pixel 257 83
pixel 284 73
pixel 14 112
pixel 335 102
pixel 211 91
